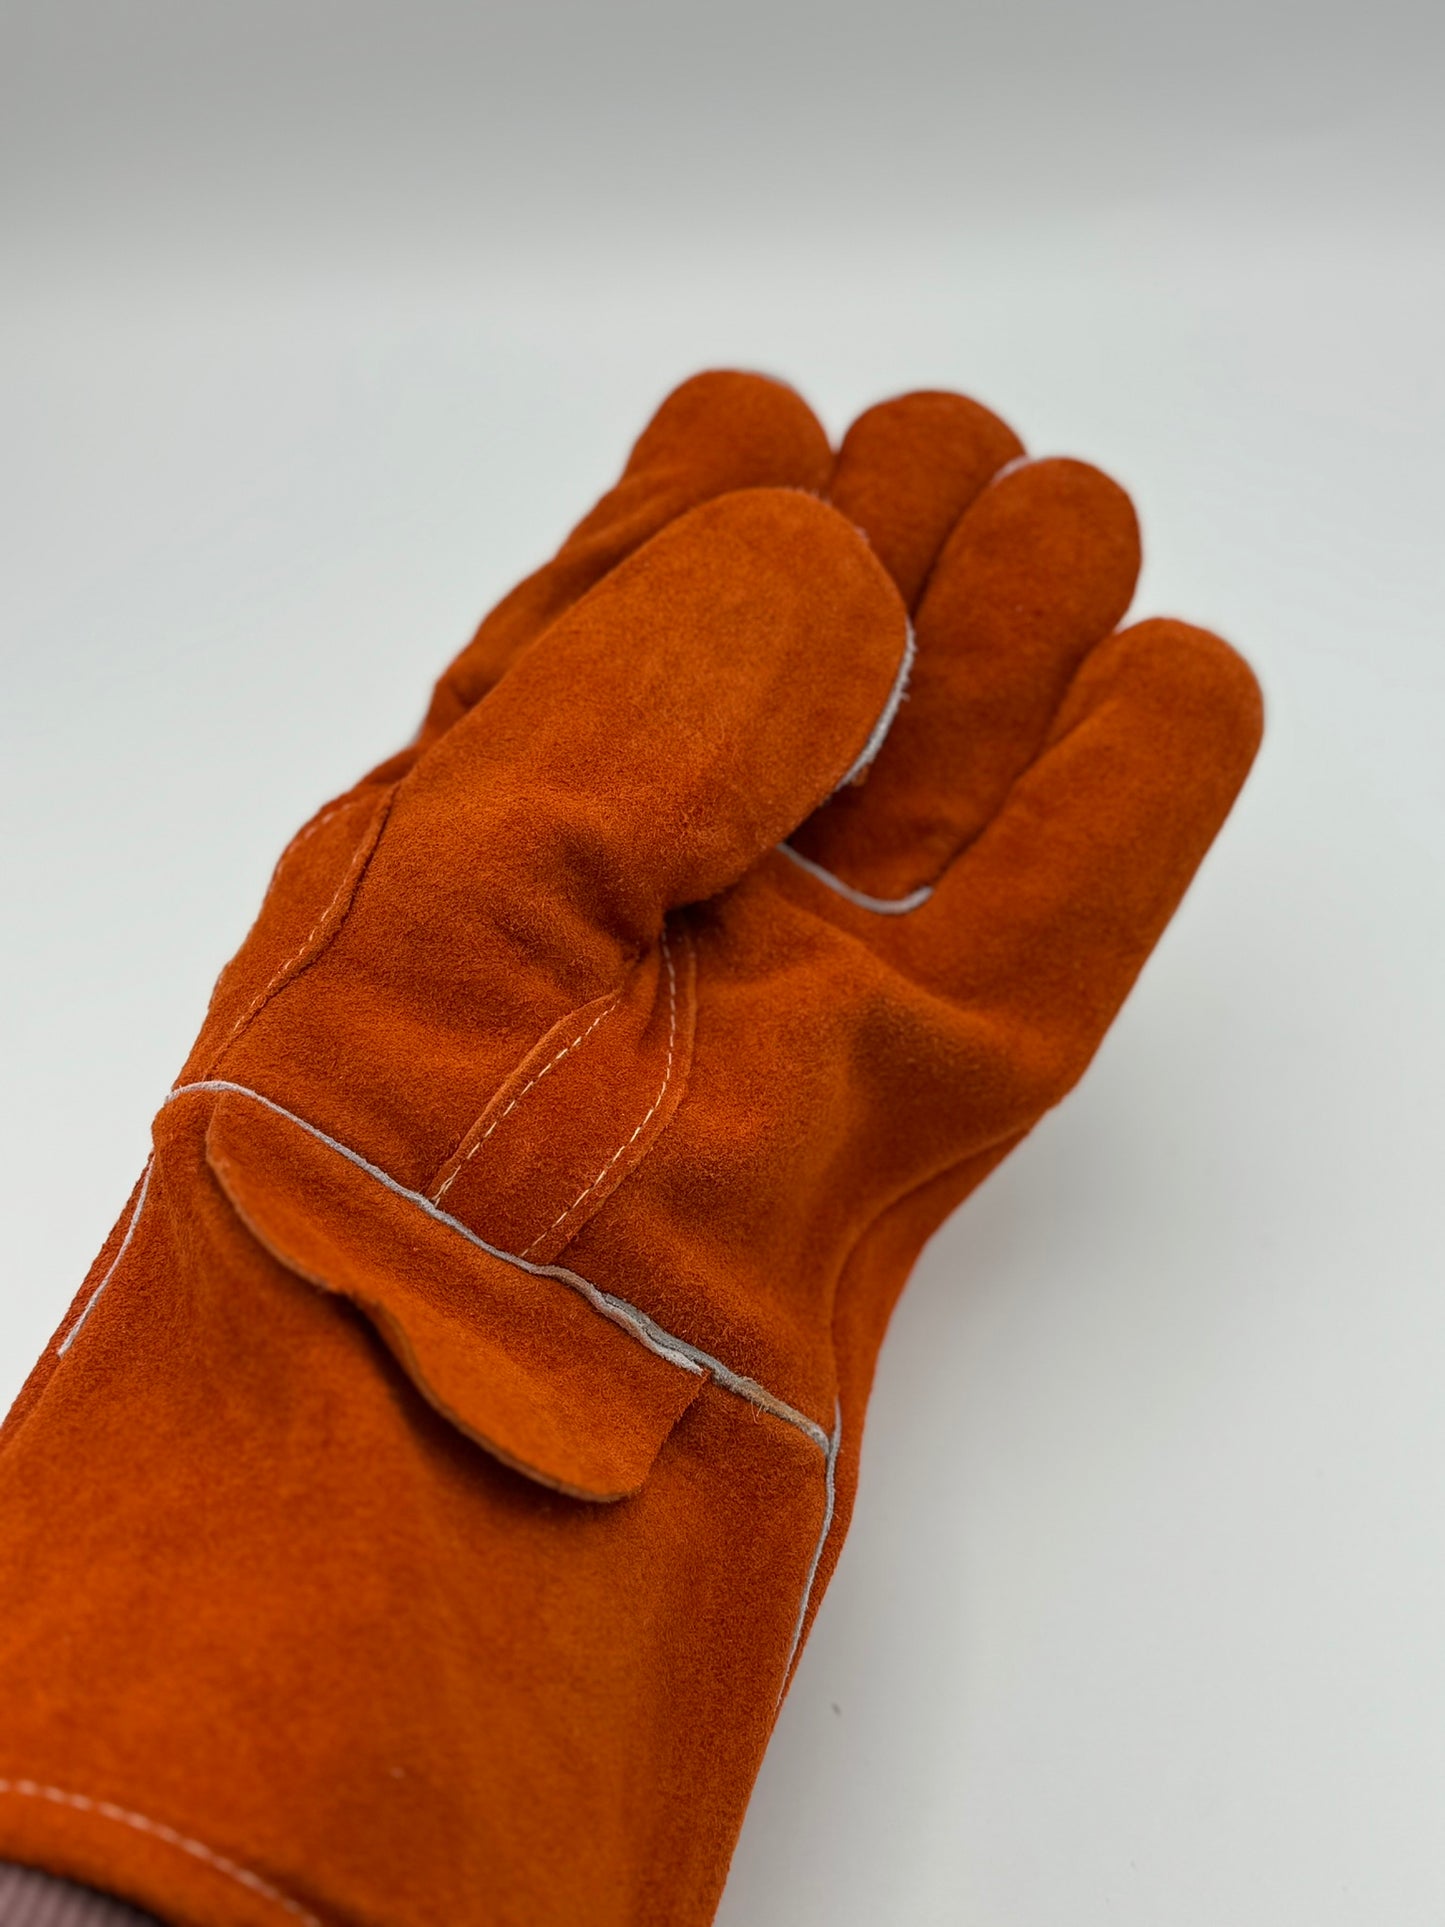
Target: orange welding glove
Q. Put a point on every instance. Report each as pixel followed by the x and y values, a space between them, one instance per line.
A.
pixel 417 1519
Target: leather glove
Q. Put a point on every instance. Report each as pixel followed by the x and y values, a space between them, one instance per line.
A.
pixel 419 1514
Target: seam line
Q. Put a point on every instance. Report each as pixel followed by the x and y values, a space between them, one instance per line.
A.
pixel 261 998
pixel 360 857
pixel 666 1345
pixel 319 823
pixel 880 730
pixel 880 906
pixel 462 1162
pixel 829 1503
pixel 197 1849
pixel 145 1184
pixel 587 1190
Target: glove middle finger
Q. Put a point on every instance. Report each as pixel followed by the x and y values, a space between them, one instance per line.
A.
pixel 1037 570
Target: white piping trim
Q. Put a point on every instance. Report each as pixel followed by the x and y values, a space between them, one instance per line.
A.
pixel 1013 467
pixel 915 900
pixel 676 1351
pixel 880 906
pixel 197 1849
pixel 890 709
pixel 70 1337
pixel 829 1503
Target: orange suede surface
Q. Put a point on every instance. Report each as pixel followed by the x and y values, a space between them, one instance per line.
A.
pixel 417 1518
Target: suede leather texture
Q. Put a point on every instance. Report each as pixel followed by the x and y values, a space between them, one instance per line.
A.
pixel 417 1518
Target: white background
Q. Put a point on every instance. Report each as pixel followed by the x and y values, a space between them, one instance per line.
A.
pixel 319 326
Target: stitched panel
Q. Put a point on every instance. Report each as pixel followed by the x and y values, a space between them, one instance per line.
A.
pixel 680 1352
pixel 540 1063
pixel 311 892
pixel 556 1382
pixel 580 1112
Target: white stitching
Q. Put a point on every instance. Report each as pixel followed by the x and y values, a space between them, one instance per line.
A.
pixel 664 1344
pixel 70 1337
pixel 260 1000
pixel 33 1790
pixel 880 906
pixel 319 823
pixel 829 1500
pixel 587 1190
pixel 293 959
pixel 581 1038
